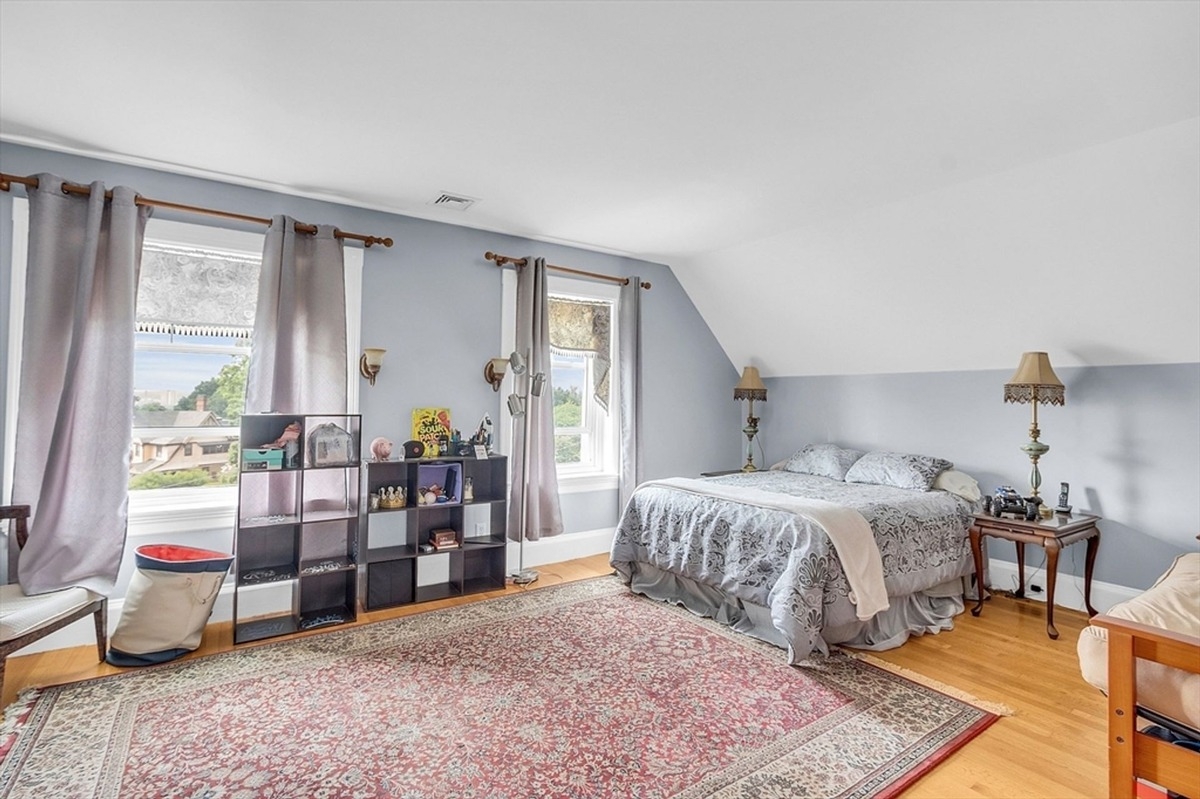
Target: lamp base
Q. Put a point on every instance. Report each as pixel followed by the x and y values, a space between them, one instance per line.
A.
pixel 749 467
pixel 525 577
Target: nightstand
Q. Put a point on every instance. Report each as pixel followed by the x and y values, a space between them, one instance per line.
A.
pixel 1051 534
pixel 721 473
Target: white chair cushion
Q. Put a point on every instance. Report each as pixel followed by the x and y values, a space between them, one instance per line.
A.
pixel 21 614
pixel 1172 603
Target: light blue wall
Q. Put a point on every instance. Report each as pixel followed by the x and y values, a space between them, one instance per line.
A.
pixel 1127 440
pixel 433 302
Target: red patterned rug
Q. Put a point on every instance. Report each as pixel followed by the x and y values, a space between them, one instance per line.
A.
pixel 580 690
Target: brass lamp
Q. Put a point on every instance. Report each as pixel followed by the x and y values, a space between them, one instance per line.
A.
pixel 751 388
pixel 1035 382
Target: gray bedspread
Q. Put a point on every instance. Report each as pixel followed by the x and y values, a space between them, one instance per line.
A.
pixel 786 563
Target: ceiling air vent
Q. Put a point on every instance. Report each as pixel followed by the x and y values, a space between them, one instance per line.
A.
pixel 456 202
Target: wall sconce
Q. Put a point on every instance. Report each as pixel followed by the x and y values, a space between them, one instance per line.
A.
pixel 370 362
pixel 495 369
pixel 493 372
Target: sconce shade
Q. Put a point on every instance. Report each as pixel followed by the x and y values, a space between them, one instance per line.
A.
pixel 493 372
pixel 371 362
pixel 1035 381
pixel 750 387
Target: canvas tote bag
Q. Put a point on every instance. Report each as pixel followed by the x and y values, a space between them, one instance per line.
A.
pixel 169 601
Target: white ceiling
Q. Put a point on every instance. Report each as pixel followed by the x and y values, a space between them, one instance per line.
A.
pixel 672 131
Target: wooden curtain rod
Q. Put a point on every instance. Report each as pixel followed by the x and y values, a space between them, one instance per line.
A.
pixel 501 260
pixel 31 182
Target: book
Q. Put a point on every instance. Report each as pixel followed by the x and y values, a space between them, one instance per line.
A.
pixel 429 426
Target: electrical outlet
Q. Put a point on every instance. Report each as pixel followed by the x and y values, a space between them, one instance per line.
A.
pixel 480 528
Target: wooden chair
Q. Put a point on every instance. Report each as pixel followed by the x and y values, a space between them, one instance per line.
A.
pixel 24 619
pixel 1134 755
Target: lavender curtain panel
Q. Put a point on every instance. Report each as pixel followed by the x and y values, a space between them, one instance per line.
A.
pixel 298 354
pixel 543 514
pixel 75 406
pixel 629 363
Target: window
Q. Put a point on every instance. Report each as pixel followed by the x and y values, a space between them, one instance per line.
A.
pixel 196 297
pixel 195 317
pixel 582 362
pixel 583 379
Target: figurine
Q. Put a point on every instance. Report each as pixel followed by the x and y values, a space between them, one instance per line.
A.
pixel 483 436
pixel 381 449
pixel 468 489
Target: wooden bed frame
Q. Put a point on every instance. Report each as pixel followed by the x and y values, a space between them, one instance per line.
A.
pixel 1134 755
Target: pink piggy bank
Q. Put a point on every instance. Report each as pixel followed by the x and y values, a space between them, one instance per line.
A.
pixel 381 449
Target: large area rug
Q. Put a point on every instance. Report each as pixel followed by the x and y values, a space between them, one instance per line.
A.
pixel 580 690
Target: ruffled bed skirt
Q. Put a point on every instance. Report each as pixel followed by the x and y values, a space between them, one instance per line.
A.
pixel 928 611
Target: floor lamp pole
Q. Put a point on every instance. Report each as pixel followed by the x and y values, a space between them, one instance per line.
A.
pixel 525 576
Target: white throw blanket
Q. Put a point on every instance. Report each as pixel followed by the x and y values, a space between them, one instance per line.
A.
pixel 847 529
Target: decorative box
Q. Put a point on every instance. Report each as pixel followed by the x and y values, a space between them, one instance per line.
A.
pixel 443 538
pixel 263 459
pixel 330 445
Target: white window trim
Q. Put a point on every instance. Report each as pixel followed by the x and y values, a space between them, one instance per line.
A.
pixel 168 510
pixel 569 481
pixel 16 328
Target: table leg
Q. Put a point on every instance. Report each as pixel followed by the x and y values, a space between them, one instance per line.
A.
pixel 1093 546
pixel 977 553
pixel 1052 548
pixel 1020 569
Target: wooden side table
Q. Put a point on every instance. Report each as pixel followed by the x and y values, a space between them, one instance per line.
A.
pixel 1052 535
pixel 721 473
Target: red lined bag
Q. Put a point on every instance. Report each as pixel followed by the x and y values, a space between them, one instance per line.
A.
pixel 169 601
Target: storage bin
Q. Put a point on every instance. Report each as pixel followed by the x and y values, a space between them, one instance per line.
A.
pixel 169 601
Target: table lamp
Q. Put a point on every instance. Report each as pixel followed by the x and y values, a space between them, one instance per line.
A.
pixel 750 387
pixel 1035 382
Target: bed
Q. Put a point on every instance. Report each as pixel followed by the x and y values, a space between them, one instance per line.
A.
pixel 753 550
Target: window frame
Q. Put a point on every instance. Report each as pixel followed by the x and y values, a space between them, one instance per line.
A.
pixel 168 510
pixel 572 479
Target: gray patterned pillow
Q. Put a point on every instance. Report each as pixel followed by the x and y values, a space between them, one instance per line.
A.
pixel 823 460
pixel 897 469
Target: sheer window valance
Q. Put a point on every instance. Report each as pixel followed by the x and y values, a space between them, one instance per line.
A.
pixel 584 327
pixel 193 292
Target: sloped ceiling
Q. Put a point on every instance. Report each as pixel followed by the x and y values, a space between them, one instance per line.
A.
pixel 822 177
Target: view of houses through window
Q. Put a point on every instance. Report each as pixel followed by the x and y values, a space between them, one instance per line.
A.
pixel 191 353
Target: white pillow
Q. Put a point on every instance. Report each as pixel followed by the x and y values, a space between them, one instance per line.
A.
pixel 960 483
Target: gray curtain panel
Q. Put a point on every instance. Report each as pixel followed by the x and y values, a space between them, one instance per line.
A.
pixel 75 406
pixel 629 363
pixel 543 512
pixel 298 354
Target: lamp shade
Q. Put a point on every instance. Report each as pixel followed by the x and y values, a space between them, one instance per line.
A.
pixel 1035 381
pixel 750 386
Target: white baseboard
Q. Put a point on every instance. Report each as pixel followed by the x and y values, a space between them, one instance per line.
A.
pixel 561 547
pixel 537 553
pixel 1068 590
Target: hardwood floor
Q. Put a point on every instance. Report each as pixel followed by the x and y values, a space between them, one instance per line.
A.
pixel 1053 746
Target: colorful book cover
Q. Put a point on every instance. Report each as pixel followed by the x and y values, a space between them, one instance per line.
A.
pixel 430 424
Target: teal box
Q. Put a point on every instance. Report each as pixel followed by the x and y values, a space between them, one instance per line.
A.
pixel 259 460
